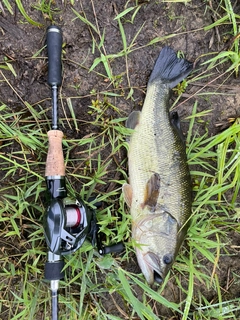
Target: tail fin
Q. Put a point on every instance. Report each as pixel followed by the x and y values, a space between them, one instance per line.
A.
pixel 169 68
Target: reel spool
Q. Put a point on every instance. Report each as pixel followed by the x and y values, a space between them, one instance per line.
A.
pixel 74 217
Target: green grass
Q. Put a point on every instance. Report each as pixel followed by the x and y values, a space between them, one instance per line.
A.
pixel 96 165
pixel 231 50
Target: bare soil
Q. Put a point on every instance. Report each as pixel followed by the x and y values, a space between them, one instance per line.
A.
pixel 19 41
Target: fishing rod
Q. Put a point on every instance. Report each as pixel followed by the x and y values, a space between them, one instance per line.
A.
pixel 67 222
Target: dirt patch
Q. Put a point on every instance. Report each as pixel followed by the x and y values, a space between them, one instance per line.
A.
pixel 20 42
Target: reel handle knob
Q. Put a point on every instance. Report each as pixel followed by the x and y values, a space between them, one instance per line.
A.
pixel 115 248
pixel 54 51
pixel 55 160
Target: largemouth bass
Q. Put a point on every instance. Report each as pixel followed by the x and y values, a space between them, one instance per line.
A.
pixel 159 189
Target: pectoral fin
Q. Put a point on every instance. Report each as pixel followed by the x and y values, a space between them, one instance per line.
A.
pixel 127 193
pixel 152 192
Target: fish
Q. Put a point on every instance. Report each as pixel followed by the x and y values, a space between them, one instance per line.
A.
pixel 159 192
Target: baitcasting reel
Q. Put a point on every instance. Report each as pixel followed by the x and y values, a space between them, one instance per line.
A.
pixel 67 224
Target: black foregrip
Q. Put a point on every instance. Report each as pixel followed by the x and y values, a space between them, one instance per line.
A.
pixel 54 52
pixel 54 270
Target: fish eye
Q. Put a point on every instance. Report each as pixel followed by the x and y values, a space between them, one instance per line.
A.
pixel 167 259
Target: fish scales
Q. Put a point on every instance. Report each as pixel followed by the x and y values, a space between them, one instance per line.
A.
pixel 159 189
pixel 160 150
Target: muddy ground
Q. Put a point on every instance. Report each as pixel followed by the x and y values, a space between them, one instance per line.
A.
pixel 20 41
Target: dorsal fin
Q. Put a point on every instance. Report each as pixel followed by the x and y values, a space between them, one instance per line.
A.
pixel 133 119
pixel 175 121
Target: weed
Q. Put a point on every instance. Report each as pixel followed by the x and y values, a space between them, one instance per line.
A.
pixel 232 53
pixel 25 15
pixel 46 8
pixel 7 5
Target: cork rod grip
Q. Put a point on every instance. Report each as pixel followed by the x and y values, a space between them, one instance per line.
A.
pixel 55 160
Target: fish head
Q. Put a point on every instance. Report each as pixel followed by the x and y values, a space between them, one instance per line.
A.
pixel 157 243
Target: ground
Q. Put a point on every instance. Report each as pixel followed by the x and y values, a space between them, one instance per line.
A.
pixel 123 51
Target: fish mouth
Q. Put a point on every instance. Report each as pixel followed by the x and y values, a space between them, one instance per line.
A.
pixel 151 267
pixel 157 277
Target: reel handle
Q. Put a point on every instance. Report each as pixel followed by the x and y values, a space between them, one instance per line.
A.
pixel 114 248
pixel 54 52
pixel 55 160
